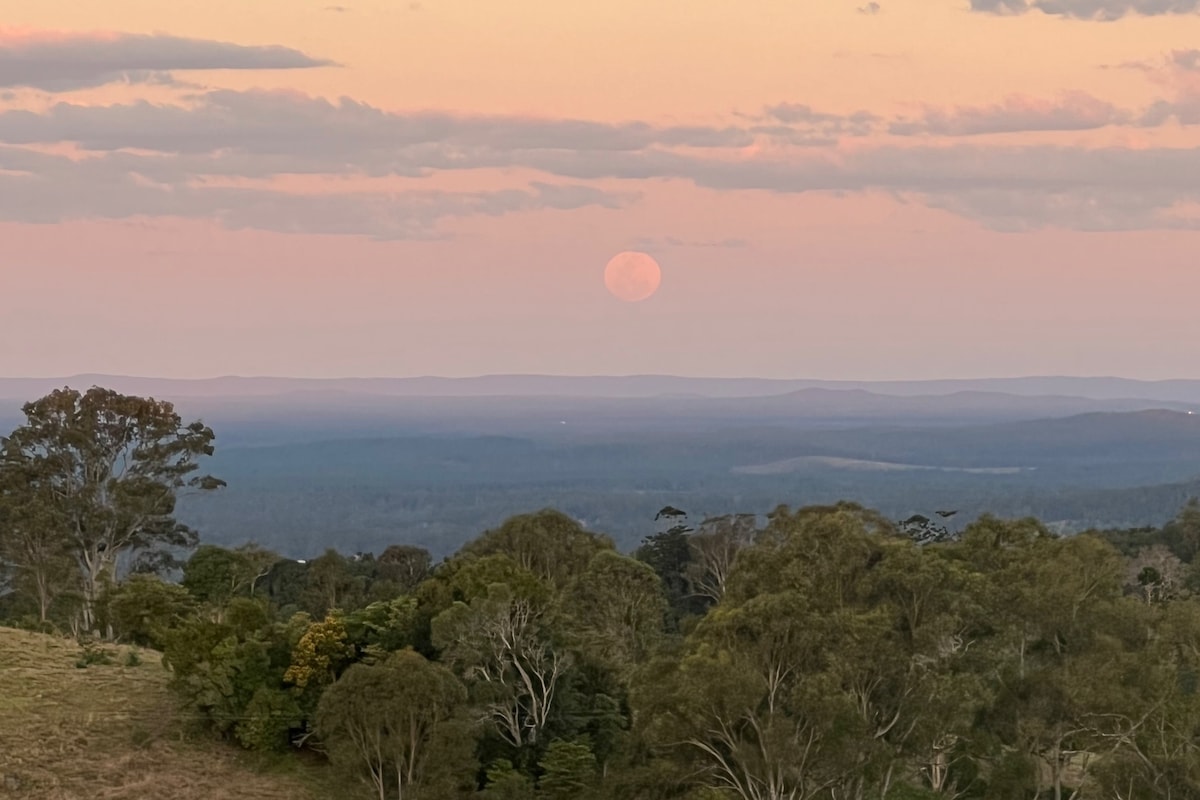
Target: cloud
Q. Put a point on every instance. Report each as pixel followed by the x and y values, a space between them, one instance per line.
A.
pixel 658 242
pixel 45 189
pixel 1101 10
pixel 1070 111
pixel 1186 60
pixel 173 159
pixel 871 9
pixel 285 132
pixel 58 63
pixel 1006 188
pixel 800 124
pixel 1177 61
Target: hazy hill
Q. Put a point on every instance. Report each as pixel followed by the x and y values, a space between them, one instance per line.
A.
pixel 1095 439
pixel 363 463
pixel 440 490
pixel 1183 391
pixel 312 415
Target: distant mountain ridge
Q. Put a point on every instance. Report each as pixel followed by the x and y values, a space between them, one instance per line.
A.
pixel 1096 388
pixel 363 463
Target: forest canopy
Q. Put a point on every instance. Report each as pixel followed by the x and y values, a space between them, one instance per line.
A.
pixel 824 652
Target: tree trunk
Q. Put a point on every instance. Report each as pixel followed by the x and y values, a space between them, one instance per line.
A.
pixel 44 599
pixel 97 566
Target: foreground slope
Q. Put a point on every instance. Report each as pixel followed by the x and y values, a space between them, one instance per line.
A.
pixel 112 731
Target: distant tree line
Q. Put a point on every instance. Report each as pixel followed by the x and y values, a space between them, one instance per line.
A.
pixel 822 652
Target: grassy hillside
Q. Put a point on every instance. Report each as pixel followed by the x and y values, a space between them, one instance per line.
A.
pixel 112 731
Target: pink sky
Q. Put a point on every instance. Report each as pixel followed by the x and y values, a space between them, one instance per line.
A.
pixel 917 189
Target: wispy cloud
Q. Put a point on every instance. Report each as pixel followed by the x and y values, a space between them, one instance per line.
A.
pixel 66 62
pixel 658 242
pixel 1070 111
pixel 180 158
pixel 1100 10
pixel 44 189
pixel 346 131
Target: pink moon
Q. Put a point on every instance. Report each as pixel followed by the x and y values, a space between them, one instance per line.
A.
pixel 632 276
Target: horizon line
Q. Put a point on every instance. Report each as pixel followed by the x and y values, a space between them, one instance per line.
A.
pixel 579 376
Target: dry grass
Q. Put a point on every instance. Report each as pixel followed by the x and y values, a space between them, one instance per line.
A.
pixel 112 731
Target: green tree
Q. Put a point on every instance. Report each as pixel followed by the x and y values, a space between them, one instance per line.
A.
pixel 714 547
pixel 548 543
pixel 215 574
pixel 502 645
pixel 400 724
pixel 285 584
pixel 568 771
pixel 1182 534
pixel 404 566
pixel 505 782
pixel 34 550
pixel 112 466
pixel 330 583
pixel 384 626
pixel 770 699
pixel 616 610
pixel 917 683
pixel 321 653
pixel 1149 745
pixel 268 719
pixel 143 608
pixel 218 671
pixel 669 553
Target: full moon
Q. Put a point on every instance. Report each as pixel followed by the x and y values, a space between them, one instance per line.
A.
pixel 632 276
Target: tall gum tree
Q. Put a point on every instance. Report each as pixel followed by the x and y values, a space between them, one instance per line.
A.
pixel 33 554
pixel 112 466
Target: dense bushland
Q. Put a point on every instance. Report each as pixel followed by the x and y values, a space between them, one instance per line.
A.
pixel 825 652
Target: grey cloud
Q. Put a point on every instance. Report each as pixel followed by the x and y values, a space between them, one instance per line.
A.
pixel 1098 210
pixel 1188 60
pixel 1176 60
pixel 79 62
pixel 1006 188
pixel 800 124
pixel 1011 188
pixel 1102 10
pixel 1072 111
pixel 1003 188
pixel 260 122
pixel 41 188
pixel 870 8
pixel 799 112
pixel 1185 110
pixel 656 242
pixel 181 152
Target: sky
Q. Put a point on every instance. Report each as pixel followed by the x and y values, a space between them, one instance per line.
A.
pixel 842 190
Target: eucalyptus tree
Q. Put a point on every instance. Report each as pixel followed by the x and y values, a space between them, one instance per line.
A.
pixel 615 611
pixel 715 546
pixel 34 557
pixel 401 724
pixel 216 574
pixel 762 700
pixel 502 640
pixel 110 467
pixel 548 543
